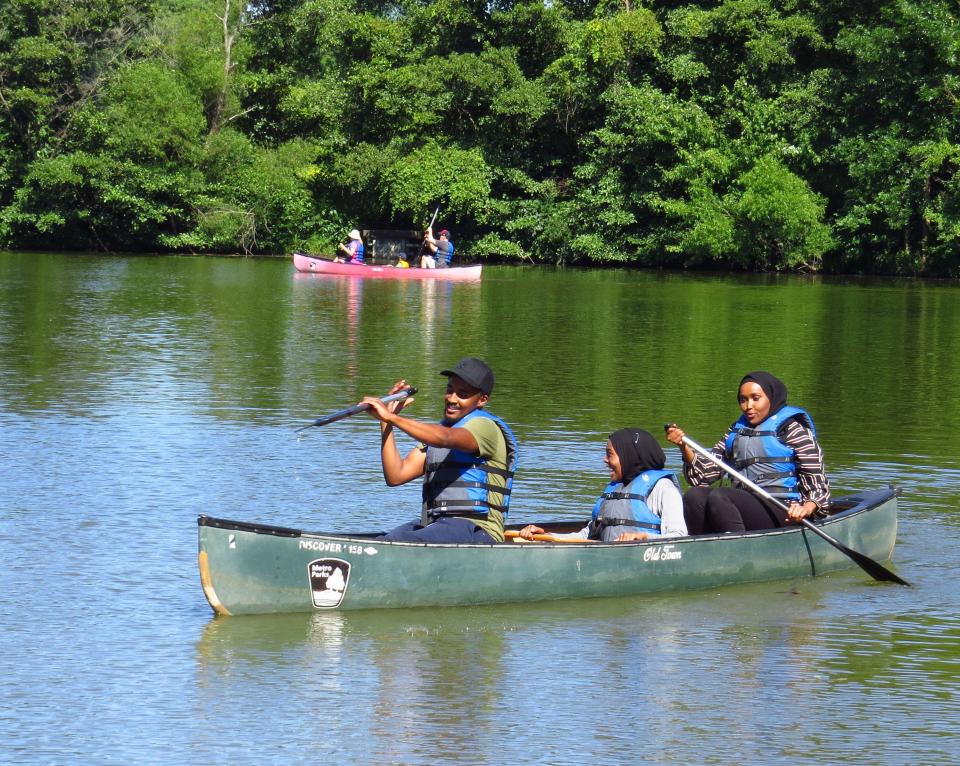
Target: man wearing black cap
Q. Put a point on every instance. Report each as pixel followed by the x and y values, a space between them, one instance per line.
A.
pixel 467 460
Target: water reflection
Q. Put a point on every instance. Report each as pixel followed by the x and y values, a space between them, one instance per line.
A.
pixel 138 392
pixel 440 684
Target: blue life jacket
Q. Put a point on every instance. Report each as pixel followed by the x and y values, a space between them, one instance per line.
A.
pixel 358 256
pixel 446 255
pixel 759 454
pixel 624 508
pixel 455 482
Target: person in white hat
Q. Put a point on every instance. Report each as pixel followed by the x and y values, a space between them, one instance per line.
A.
pixel 353 252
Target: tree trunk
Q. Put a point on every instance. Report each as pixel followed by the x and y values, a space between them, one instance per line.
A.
pixel 229 37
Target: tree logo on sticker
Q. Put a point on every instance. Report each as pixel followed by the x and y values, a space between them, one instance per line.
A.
pixel 328 581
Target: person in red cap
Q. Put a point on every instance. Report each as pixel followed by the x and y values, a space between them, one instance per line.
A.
pixel 441 250
pixel 467 460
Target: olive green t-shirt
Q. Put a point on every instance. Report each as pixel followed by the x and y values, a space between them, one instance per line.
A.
pixel 493 448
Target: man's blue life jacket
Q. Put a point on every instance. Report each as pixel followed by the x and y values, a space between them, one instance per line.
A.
pixel 455 482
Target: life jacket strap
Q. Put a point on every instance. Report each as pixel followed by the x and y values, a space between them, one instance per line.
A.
pixel 605 521
pixel 480 485
pixel 466 504
pixel 466 510
pixel 504 492
pixel 450 467
pixel 763 477
pixel 623 496
pixel 755 432
pixel 762 459
pixel 434 515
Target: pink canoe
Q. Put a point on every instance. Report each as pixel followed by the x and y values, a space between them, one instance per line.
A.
pixel 309 264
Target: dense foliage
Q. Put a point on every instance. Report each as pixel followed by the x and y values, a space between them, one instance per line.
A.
pixel 751 134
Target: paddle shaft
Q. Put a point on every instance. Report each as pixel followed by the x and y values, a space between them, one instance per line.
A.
pixel 544 538
pixel 876 570
pixel 332 418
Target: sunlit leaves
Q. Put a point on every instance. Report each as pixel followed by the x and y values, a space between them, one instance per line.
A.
pixel 314 105
pixel 617 41
pixel 458 179
pixel 780 220
pixel 901 120
pixel 149 114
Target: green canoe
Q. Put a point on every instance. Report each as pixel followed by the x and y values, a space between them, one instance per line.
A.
pixel 255 569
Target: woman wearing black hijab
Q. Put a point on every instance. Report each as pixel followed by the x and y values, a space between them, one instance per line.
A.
pixel 773 444
pixel 642 499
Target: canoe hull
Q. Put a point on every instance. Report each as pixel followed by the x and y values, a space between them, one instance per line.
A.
pixel 307 264
pixel 249 569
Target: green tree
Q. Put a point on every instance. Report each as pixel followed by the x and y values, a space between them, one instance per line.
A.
pixel 893 163
pixel 743 134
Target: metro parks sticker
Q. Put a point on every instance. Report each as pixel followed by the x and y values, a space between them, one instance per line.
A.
pixel 328 581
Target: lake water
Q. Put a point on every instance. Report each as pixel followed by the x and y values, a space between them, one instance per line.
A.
pixel 137 393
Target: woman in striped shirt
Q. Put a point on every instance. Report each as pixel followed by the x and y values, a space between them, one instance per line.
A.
pixel 773 444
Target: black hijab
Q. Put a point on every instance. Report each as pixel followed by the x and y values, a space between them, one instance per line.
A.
pixel 773 387
pixel 638 451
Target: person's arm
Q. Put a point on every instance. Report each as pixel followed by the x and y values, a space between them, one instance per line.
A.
pixel 666 501
pixel 812 480
pixel 675 436
pixel 397 469
pixel 530 530
pixel 430 434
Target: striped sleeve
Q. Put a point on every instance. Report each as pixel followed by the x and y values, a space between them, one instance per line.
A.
pixel 811 477
pixel 701 471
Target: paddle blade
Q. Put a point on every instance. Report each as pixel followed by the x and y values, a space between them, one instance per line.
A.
pixel 876 570
pixel 873 568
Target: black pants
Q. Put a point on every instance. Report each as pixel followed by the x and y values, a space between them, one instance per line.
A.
pixel 727 509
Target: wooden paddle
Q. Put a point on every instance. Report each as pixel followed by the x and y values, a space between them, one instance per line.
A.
pixel 332 418
pixel 513 534
pixel 876 570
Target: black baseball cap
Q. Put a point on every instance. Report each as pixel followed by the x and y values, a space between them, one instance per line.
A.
pixel 475 372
